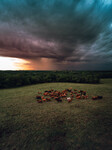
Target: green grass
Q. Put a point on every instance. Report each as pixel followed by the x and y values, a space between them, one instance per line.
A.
pixel 82 124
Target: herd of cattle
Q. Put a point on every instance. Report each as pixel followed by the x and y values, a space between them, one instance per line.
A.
pixel 67 94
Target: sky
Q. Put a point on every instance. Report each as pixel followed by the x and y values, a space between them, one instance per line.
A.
pixel 55 34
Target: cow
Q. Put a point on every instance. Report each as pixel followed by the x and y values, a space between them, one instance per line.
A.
pixel 94 98
pixel 39 101
pixel 68 90
pixel 46 94
pixel 58 99
pixel 75 89
pixel 75 92
pixel 38 97
pixel 81 92
pixel 44 99
pixel 72 95
pixel 39 92
pixel 97 97
pixel 78 97
pixel 100 97
pixel 84 96
pixel 69 99
pixel 48 99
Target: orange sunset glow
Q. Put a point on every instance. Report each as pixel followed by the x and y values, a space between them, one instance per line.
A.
pixel 9 63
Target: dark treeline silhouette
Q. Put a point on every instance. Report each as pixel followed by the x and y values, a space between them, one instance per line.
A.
pixel 10 79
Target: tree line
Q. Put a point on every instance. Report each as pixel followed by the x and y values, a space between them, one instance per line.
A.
pixel 10 79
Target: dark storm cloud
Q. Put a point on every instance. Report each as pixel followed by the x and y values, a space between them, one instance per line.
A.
pixel 66 31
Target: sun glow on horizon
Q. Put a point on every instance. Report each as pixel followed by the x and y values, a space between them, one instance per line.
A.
pixel 9 63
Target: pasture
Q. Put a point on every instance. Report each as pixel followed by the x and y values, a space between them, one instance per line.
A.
pixel 79 125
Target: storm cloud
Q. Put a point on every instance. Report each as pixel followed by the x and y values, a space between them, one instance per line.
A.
pixel 74 34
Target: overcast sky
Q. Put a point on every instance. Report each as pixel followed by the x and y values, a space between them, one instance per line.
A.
pixel 58 34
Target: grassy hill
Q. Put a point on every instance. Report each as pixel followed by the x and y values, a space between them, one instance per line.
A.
pixel 81 124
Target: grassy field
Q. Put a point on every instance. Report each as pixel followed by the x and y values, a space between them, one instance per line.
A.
pixel 81 124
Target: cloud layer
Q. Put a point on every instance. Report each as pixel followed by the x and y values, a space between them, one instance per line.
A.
pixel 74 34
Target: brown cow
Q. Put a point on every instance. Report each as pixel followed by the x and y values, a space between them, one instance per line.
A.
pixel 78 97
pixel 48 99
pixel 44 99
pixel 94 97
pixel 39 101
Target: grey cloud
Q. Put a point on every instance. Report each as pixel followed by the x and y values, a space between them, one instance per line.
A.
pixel 56 29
